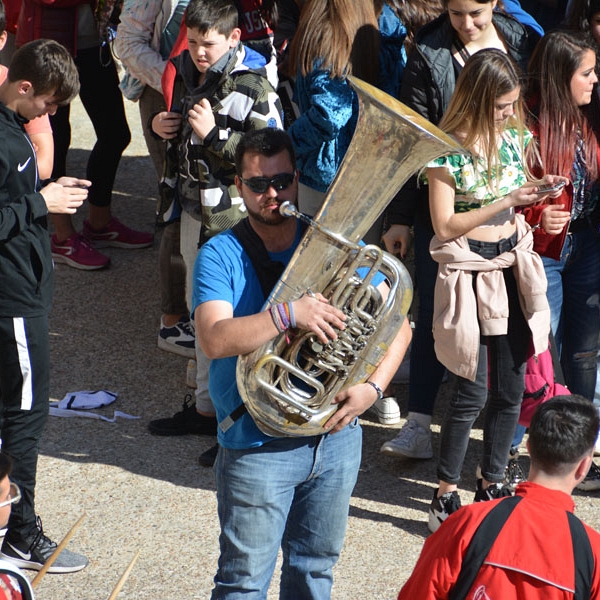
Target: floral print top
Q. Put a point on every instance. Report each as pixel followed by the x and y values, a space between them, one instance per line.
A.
pixel 471 177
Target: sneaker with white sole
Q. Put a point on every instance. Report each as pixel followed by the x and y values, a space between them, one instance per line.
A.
pixel 441 508
pixel 117 235
pixel 591 481
pixel 32 552
pixel 413 441
pixel 179 338
pixel 386 410
pixel 493 491
pixel 77 252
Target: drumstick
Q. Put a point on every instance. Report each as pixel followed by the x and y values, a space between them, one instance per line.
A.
pixel 124 577
pixel 55 554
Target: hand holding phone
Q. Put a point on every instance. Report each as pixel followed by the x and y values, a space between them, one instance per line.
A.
pixel 549 188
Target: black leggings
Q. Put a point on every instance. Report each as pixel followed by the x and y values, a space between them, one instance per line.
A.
pixel 103 102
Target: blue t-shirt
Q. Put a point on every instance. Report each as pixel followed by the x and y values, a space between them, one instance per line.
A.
pixel 223 271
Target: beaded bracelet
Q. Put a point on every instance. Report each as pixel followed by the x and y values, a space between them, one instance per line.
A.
pixel 276 318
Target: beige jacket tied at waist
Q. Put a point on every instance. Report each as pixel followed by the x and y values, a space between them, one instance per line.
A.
pixel 461 315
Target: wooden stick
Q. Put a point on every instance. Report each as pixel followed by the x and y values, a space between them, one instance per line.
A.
pixel 55 554
pixel 124 577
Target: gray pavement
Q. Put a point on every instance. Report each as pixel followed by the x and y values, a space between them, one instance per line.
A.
pixel 145 493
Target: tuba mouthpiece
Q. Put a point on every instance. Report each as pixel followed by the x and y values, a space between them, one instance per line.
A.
pixel 287 209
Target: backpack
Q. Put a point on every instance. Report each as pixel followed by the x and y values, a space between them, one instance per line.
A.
pixel 543 380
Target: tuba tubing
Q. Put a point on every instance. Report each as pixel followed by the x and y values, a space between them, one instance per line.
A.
pixel 288 387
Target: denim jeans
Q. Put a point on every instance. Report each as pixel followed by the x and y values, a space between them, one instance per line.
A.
pixel 573 295
pixel 501 367
pixel 426 371
pixel 292 493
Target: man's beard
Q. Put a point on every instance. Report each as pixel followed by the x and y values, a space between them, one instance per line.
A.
pixel 267 217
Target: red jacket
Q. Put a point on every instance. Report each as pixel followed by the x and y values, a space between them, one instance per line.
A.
pixel 531 558
pixel 12 8
pixel 51 19
pixel 544 243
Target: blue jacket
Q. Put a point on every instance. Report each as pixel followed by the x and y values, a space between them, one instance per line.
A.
pixel 329 107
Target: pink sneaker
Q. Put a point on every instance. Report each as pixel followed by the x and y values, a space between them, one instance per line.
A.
pixel 117 235
pixel 76 252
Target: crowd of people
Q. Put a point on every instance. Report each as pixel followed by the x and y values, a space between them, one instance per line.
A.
pixel 505 237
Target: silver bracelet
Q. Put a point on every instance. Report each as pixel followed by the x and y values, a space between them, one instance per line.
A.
pixel 376 388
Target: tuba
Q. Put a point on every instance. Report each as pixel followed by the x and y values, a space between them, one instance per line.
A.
pixel 288 387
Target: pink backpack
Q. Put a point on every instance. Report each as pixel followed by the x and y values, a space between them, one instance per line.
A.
pixel 540 384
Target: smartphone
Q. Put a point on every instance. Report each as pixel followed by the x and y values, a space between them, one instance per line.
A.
pixel 548 188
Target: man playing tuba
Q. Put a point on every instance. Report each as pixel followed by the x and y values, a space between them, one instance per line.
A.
pixel 288 492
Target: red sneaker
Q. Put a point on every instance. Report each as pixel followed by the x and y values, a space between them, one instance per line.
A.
pixel 117 235
pixel 76 252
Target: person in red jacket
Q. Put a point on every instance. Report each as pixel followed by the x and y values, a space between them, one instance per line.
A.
pixel 532 556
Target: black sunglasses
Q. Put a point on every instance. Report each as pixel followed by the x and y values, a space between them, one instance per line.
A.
pixel 259 185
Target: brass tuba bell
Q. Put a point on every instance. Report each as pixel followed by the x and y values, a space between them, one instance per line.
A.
pixel 288 388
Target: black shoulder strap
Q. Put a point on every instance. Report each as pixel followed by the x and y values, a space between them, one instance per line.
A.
pixel 486 534
pixel 268 271
pixel 480 545
pixel 584 558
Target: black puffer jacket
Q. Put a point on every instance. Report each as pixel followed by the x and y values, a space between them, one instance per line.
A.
pixel 428 84
pixel 25 257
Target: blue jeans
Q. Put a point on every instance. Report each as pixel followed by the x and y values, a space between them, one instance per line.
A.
pixel 292 493
pixel 426 372
pixel 574 298
pixel 501 366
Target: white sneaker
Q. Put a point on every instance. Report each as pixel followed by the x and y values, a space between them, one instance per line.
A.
pixel 413 441
pixel 386 410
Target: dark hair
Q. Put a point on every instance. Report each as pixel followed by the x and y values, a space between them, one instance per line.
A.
pixel 5 465
pixel 562 431
pixel 2 18
pixel 267 141
pixel 553 63
pixel 579 13
pixel 204 15
pixel 49 67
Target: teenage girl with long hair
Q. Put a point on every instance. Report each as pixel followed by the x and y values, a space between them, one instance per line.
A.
pixel 440 51
pixel 490 290
pixel 565 109
pixel 334 39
